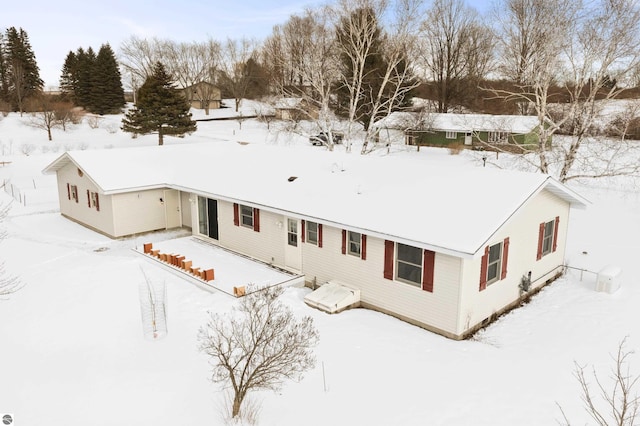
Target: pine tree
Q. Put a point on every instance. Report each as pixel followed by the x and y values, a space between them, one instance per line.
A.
pixel 69 78
pixel 107 93
pixel 160 108
pixel 93 81
pixel 23 75
pixel 4 78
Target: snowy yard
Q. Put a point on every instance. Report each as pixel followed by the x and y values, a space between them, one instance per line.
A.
pixel 73 351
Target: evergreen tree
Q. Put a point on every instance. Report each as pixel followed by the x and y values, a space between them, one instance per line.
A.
pixel 160 108
pixel 69 78
pixel 23 75
pixel 107 92
pixel 93 81
pixel 4 81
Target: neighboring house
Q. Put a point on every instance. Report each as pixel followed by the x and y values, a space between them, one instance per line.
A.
pixel 294 109
pixel 448 256
pixel 203 95
pixel 472 130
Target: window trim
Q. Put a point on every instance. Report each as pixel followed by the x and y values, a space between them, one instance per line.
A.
pixel 420 266
pixel 547 240
pixel 497 262
pixel 357 253
pixel 450 134
pixel 250 219
pixel 498 136
pixel 309 232
pixel 74 193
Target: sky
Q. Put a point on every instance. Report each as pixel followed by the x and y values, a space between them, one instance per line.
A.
pixel 55 31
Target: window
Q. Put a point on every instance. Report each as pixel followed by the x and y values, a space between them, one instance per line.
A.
pixel 246 216
pixel 354 243
pixel 547 237
pixel 74 193
pixel 94 201
pixel 451 135
pixel 493 266
pixel 312 233
pixel 203 216
pixel 494 263
pixel 292 232
pixel 498 137
pixel 409 264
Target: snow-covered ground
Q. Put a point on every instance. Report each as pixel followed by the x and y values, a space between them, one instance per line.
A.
pixel 72 351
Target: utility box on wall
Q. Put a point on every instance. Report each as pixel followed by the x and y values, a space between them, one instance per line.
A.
pixel 608 279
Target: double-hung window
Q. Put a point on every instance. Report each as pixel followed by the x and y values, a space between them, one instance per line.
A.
pixel 354 243
pixel 547 237
pixel 494 263
pixel 409 264
pixel 246 216
pixel 312 233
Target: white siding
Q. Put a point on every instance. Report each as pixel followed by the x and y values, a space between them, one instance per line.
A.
pixel 522 231
pixel 437 309
pixel 136 212
pixel 80 211
pixel 266 245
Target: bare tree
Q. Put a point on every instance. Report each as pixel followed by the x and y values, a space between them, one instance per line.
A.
pixel 258 345
pixel 455 51
pixel 361 43
pixel 138 56
pixel 194 63
pixel 8 284
pixel 579 50
pixel 44 116
pixel 608 406
pixel 303 53
pixel 235 72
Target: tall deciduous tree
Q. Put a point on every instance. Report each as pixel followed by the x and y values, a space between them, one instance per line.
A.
pixel 22 72
pixel 236 70
pixel 580 49
pixel 160 108
pixel 376 71
pixel 259 345
pixel 455 50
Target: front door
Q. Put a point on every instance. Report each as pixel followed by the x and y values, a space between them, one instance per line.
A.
pixel 293 249
pixel 467 138
pixel 172 209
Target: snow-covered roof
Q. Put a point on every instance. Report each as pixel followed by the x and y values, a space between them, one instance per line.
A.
pixel 460 122
pixel 288 103
pixel 430 203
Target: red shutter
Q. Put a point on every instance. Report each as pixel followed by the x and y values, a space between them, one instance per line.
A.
pixel 363 249
pixel 555 233
pixel 427 270
pixel 88 198
pixel 319 235
pixel 75 188
pixel 505 258
pixel 256 220
pixel 389 247
pixel 540 238
pixel 483 269
pixel 344 241
pixel 68 191
pixel 304 234
pixel 97 202
pixel 236 215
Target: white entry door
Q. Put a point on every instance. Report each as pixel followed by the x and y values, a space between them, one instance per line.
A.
pixel 172 208
pixel 467 138
pixel 293 248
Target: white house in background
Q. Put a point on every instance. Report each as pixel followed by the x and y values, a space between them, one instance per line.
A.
pixel 423 239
